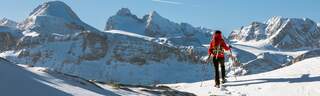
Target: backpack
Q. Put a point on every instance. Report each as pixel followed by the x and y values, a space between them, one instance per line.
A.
pixel 217 50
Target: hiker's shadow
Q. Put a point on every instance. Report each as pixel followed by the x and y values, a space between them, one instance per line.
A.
pixel 303 78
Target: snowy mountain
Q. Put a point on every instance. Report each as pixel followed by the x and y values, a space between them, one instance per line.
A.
pixel 55 38
pixel 282 33
pixel 255 31
pixel 154 25
pixel 140 56
pixel 8 22
pixel 114 55
pixel 9 34
pixel 53 17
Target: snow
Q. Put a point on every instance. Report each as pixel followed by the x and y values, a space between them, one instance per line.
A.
pixel 31 34
pixel 64 56
pixel 126 21
pixel 156 26
pixel 60 41
pixel 10 27
pixel 54 17
pixel 8 22
pixel 256 49
pixel 17 81
pixel 255 31
pixel 21 80
pixel 55 9
pixel 299 79
pixel 280 33
pixel 130 34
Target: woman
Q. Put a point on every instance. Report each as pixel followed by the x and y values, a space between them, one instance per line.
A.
pixel 216 51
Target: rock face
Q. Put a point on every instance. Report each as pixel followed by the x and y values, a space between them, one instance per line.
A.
pixel 7 41
pixel 255 31
pixel 309 54
pixel 266 62
pixel 282 33
pixel 54 37
pixel 154 25
pixel 9 34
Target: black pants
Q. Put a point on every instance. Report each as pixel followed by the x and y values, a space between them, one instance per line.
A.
pixel 216 63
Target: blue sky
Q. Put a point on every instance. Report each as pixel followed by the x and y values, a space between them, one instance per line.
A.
pixel 224 15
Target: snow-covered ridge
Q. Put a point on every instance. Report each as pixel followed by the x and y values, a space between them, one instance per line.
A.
pixel 154 25
pixel 55 9
pixel 54 17
pixel 8 22
pixel 130 34
pixel 282 33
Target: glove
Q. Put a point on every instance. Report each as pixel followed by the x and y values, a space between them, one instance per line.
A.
pixel 211 50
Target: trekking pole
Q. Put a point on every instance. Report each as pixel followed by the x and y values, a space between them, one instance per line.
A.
pixel 233 65
pixel 204 69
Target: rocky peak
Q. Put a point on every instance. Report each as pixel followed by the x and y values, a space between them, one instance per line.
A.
pixel 280 32
pixel 154 25
pixel 54 17
pixel 56 9
pixel 7 22
pixel 124 12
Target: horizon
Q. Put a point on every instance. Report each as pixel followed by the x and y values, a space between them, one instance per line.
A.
pixel 234 14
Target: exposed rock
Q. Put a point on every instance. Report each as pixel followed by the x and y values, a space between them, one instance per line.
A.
pixel 282 33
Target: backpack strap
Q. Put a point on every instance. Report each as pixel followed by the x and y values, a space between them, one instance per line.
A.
pixel 217 50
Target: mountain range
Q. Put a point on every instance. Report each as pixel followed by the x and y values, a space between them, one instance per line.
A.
pixel 282 33
pixel 150 50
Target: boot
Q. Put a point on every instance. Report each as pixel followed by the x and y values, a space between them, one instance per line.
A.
pixel 217 86
pixel 224 81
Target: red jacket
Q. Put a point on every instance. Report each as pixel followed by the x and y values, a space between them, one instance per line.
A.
pixel 215 42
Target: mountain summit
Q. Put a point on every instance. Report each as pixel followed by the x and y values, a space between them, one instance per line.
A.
pixel 7 22
pixel 55 9
pixel 154 25
pixel 54 17
pixel 283 33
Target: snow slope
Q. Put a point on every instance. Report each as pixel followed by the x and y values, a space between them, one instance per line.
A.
pixel 22 80
pixel 257 60
pixel 299 79
pixel 18 81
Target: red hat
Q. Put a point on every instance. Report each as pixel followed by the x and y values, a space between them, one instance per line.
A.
pixel 217 36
